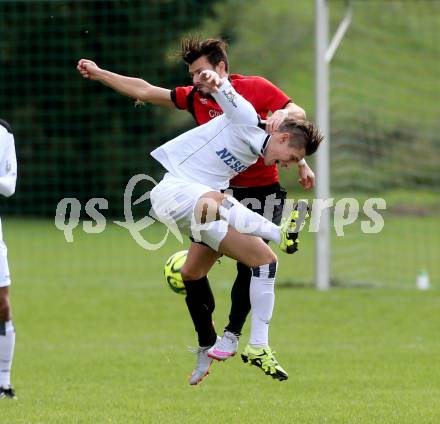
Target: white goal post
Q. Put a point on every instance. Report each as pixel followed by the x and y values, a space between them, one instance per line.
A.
pixel 323 55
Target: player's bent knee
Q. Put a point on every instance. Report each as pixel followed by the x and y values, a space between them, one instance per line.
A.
pixel 263 258
pixel 207 207
pixel 266 256
pixel 270 258
pixel 191 274
pixel 214 195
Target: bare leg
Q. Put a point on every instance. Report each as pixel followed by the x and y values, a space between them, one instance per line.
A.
pixel 249 250
pixel 200 260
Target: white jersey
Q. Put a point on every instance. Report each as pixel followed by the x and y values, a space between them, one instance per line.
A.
pixel 8 164
pixel 217 151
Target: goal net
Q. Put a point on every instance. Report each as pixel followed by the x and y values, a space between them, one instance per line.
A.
pixel 385 140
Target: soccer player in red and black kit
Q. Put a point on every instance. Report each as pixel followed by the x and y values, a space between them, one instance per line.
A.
pixel 259 183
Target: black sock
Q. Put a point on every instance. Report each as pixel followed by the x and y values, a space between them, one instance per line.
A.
pixel 240 302
pixel 201 305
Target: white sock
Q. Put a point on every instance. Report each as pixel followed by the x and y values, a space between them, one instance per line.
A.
pixel 248 222
pixel 7 343
pixel 262 296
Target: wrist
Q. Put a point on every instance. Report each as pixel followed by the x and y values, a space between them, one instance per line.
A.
pixel 223 84
pixel 102 75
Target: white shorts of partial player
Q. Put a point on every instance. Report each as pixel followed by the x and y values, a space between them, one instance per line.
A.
pixel 5 279
pixel 173 201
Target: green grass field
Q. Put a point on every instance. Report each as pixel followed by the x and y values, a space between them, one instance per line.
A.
pixel 101 339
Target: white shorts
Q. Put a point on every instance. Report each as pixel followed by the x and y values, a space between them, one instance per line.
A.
pixel 5 279
pixel 173 201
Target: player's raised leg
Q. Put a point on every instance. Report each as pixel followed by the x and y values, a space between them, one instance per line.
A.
pixel 269 202
pixel 258 256
pixel 217 206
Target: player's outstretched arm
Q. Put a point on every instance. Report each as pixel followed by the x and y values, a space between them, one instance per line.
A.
pixel 235 107
pixel 135 88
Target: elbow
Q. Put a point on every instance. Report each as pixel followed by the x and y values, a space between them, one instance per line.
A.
pixel 295 112
pixel 248 116
pixel 247 120
pixel 144 92
pixel 8 191
pixel 143 96
pixel 299 114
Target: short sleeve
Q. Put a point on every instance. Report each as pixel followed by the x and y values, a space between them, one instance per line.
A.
pixel 179 96
pixel 269 96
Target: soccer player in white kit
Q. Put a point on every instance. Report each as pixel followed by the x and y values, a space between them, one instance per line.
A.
pixel 200 164
pixel 8 178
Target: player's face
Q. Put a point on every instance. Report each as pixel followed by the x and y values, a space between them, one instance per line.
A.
pixel 280 152
pixel 200 65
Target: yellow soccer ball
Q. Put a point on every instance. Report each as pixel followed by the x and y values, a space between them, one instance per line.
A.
pixel 172 271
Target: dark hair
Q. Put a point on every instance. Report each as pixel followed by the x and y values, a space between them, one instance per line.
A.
pixel 192 48
pixel 302 134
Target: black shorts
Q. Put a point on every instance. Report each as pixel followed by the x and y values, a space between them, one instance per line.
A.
pixel 265 200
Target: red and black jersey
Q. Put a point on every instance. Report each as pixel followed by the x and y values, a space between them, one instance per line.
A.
pixel 261 93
